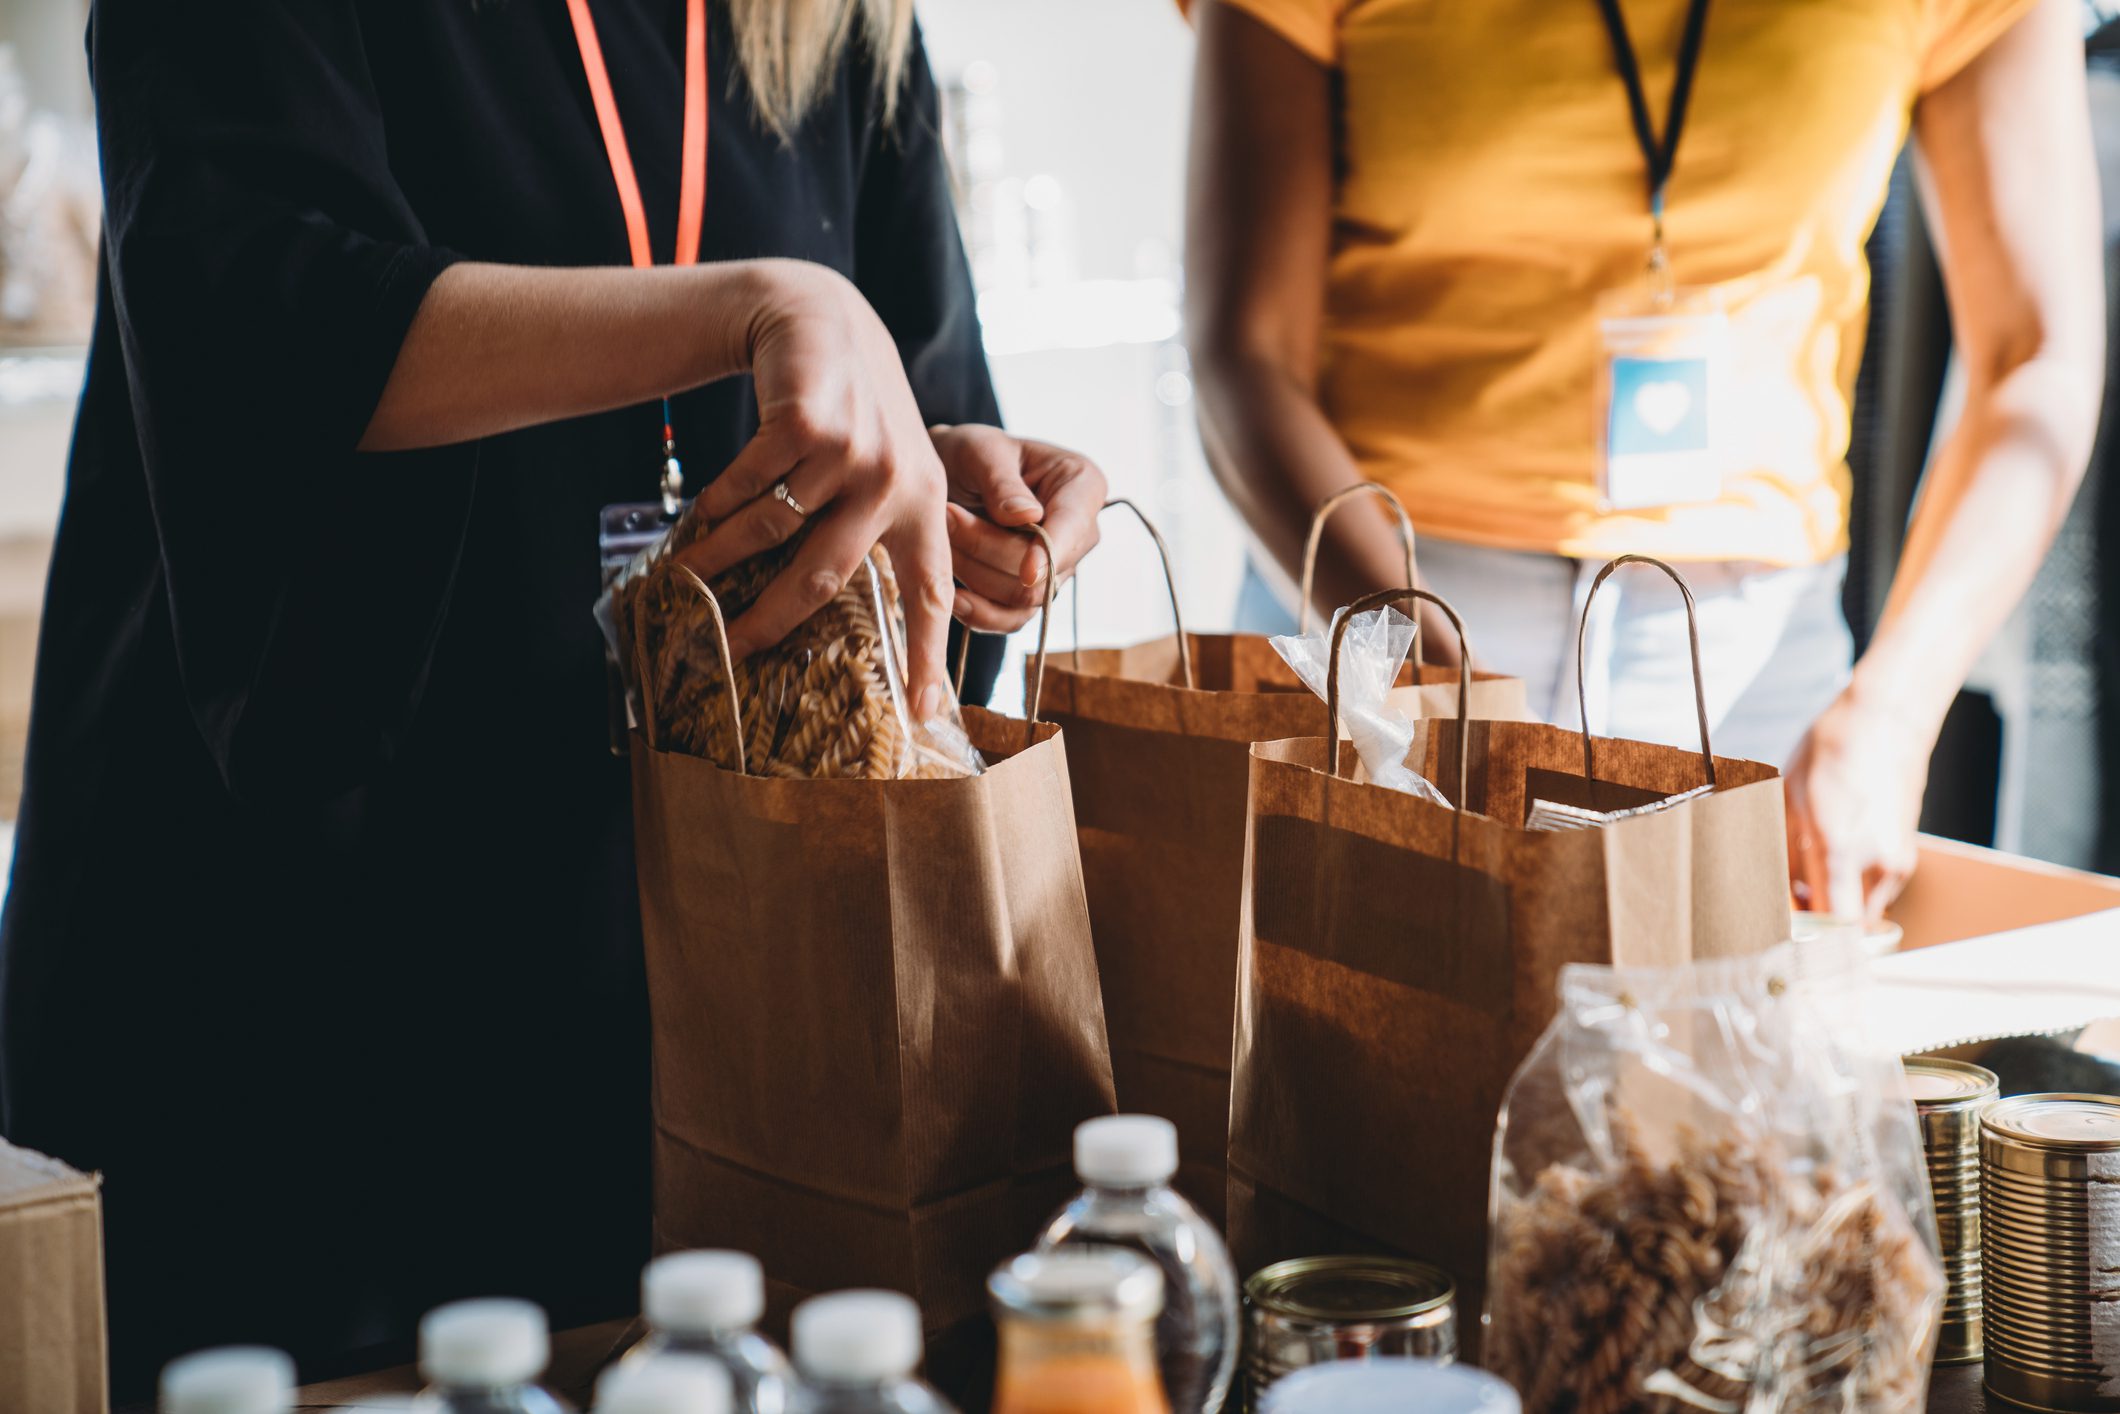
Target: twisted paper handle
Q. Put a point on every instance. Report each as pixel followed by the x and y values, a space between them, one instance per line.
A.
pixel 1700 686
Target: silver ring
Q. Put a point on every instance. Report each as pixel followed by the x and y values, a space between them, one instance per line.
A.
pixel 782 494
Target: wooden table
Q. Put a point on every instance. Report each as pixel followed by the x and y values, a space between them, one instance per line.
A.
pixel 579 1355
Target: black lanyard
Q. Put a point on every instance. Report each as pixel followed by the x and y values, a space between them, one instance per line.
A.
pixel 1660 156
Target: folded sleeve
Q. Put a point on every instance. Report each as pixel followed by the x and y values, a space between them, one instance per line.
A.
pixel 264 270
pixel 1956 32
pixel 1312 26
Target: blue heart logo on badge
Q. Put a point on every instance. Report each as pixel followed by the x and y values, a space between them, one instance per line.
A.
pixel 1659 406
pixel 1662 405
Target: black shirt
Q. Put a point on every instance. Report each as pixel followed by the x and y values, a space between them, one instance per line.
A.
pixel 322 944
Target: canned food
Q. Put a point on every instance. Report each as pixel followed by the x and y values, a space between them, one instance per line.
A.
pixel 1318 1309
pixel 2050 1263
pixel 1949 1097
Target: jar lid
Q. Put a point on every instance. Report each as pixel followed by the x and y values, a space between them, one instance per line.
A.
pixel 1389 1385
pixel 2085 1123
pixel 1350 1289
pixel 1934 1081
pixel 1088 1282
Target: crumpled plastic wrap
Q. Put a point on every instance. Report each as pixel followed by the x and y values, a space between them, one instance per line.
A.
pixel 1371 655
pixel 1709 1194
pixel 828 702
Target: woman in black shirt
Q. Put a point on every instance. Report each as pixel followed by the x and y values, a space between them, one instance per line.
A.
pixel 322 943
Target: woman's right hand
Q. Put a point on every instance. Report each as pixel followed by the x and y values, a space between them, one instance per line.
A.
pixel 837 423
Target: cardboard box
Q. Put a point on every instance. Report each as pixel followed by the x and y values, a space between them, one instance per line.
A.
pixel 1962 891
pixel 22 568
pixel 1997 946
pixel 52 1354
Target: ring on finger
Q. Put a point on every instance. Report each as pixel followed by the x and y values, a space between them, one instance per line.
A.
pixel 782 494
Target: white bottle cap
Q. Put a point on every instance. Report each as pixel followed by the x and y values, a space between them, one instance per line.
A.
pixel 484 1343
pixel 1126 1151
pixel 666 1384
pixel 231 1379
pixel 696 1293
pixel 857 1337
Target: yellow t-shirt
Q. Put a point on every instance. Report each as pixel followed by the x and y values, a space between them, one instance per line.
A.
pixel 1491 190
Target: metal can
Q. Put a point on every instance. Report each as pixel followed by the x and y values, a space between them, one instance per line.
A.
pixel 1949 1097
pixel 2050 1263
pixel 1313 1310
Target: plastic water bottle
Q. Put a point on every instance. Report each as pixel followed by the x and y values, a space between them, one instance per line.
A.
pixel 1390 1385
pixel 707 1304
pixel 484 1357
pixel 1127 1162
pixel 231 1379
pixel 665 1384
pixel 855 1353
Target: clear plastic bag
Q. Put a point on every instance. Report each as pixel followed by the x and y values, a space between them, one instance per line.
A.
pixel 1709 1194
pixel 828 702
pixel 1375 648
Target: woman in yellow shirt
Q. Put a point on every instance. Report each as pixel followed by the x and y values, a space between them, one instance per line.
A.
pixel 1419 252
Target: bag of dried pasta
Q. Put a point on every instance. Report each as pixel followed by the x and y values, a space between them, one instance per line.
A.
pixel 826 703
pixel 872 990
pixel 1709 1194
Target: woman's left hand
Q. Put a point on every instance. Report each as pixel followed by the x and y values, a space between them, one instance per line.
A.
pixel 999 483
pixel 1854 792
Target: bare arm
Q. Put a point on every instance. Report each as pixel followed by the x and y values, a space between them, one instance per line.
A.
pixel 494 348
pixel 498 347
pixel 2011 184
pixel 1257 238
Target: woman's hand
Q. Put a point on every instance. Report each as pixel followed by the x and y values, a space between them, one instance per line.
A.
pixel 1854 792
pixel 999 481
pixel 837 424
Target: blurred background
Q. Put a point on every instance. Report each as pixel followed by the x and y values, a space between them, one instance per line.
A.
pixel 1066 125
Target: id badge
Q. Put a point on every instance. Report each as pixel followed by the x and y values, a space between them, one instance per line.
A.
pixel 623 533
pixel 1665 412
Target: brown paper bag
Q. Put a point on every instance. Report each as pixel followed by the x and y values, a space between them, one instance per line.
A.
pixel 1159 738
pixel 52 1357
pixel 1400 958
pixel 875 1016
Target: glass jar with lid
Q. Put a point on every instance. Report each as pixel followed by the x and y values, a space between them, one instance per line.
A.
pixel 1078 1333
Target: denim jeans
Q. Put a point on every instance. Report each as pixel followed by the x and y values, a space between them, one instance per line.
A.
pixel 1775 647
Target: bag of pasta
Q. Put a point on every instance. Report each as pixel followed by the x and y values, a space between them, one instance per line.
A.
pixel 872 993
pixel 826 703
pixel 1709 1194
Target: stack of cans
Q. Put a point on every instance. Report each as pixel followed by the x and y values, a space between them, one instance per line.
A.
pixel 2050 1198
pixel 1949 1098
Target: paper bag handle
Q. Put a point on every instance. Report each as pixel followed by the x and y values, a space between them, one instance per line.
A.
pixel 721 646
pixel 1378 600
pixel 1324 513
pixel 1170 582
pixel 1700 686
pixel 1045 625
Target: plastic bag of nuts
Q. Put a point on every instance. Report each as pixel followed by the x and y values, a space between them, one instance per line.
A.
pixel 1709 1195
pixel 828 702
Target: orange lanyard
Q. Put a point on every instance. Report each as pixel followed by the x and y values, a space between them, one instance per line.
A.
pixel 692 182
pixel 692 188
